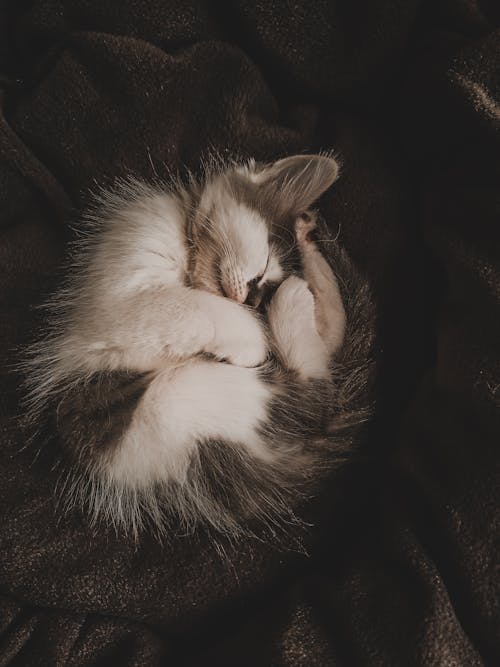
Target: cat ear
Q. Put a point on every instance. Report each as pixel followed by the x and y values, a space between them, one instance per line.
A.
pixel 296 182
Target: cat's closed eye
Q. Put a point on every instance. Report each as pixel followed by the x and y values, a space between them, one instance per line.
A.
pixel 255 281
pixel 254 291
pixel 260 295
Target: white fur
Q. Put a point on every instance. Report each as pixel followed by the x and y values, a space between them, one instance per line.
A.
pixel 133 311
pixel 307 317
pixel 293 325
pixel 198 401
pixel 247 236
pixel 329 313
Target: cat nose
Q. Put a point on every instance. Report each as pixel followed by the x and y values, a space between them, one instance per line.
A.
pixel 238 293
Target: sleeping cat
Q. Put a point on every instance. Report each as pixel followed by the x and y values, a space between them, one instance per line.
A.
pixel 193 368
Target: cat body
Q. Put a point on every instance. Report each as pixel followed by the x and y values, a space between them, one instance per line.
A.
pixel 169 392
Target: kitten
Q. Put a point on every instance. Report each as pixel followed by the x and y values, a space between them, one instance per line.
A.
pixel 189 373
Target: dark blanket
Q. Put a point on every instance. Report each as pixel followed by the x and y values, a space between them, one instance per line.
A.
pixel 402 562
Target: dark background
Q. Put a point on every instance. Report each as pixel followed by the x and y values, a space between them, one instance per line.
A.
pixel 402 563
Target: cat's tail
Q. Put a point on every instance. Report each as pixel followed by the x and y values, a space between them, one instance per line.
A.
pixel 202 443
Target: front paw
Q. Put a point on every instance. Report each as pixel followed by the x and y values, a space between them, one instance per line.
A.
pixel 242 341
pixel 292 302
pixel 250 354
pixel 293 326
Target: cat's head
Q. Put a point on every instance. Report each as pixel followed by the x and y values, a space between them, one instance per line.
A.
pixel 243 227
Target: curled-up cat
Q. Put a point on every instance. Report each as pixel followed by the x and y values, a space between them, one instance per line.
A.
pixel 201 364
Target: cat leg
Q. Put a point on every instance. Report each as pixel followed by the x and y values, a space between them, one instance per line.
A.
pixel 144 329
pixel 239 335
pixel 329 309
pixel 293 326
pixel 217 325
pixel 306 316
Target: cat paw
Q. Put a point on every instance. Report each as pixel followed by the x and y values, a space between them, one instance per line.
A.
pixel 304 225
pixel 292 302
pixel 293 326
pixel 242 341
pixel 251 354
